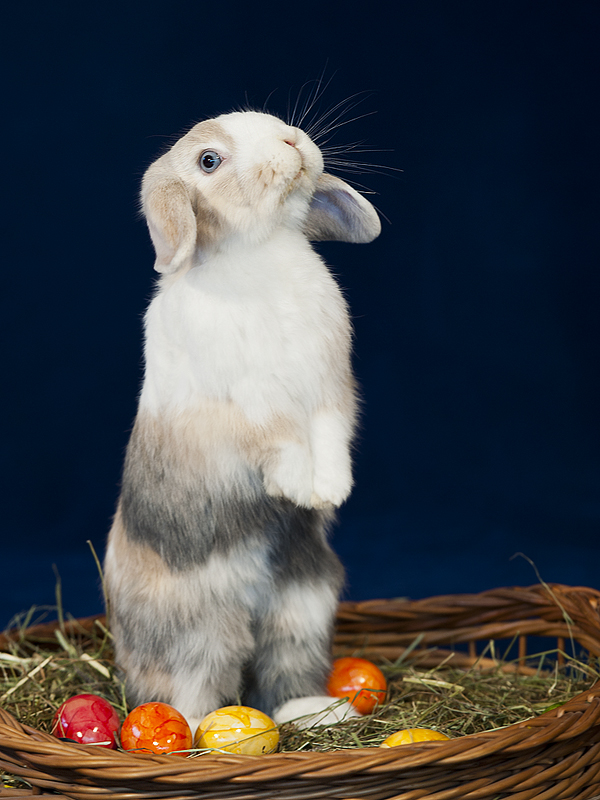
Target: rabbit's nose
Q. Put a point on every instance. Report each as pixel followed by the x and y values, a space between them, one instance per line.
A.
pixel 290 135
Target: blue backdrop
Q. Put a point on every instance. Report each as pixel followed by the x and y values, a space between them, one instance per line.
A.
pixel 476 311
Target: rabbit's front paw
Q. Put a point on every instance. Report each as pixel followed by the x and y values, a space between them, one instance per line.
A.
pixel 290 475
pixel 332 479
pixel 331 489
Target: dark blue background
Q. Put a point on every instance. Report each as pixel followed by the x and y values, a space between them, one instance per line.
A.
pixel 476 311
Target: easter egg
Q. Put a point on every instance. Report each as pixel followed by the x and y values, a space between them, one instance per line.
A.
pixel 411 735
pixel 87 719
pixel 238 729
pixel 156 727
pixel 359 680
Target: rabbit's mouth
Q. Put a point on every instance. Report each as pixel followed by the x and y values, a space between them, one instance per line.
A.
pixel 305 164
pixel 293 185
pixel 304 181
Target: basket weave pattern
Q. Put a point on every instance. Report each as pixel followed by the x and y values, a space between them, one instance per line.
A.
pixel 552 757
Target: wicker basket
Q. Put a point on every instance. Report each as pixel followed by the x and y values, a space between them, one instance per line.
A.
pixel 552 757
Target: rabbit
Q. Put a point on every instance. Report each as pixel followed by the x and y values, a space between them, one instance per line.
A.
pixel 220 580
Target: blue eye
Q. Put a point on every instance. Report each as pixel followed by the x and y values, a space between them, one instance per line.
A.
pixel 209 160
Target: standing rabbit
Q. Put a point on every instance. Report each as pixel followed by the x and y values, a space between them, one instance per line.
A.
pixel 220 579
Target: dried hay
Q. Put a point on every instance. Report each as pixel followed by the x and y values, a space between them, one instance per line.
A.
pixel 37 675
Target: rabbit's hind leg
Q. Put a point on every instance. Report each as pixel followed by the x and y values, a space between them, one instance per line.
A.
pixel 292 656
pixel 209 674
pixel 293 623
pixel 194 665
pixel 180 636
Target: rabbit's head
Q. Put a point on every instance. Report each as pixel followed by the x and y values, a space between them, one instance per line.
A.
pixel 238 177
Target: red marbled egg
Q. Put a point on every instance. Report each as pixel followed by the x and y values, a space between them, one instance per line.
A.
pixel 87 719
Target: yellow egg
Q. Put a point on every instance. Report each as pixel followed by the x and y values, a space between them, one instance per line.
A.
pixel 238 729
pixel 411 735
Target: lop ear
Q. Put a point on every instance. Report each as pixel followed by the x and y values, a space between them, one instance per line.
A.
pixel 171 220
pixel 339 213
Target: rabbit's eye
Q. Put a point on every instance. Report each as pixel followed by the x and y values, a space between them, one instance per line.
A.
pixel 209 160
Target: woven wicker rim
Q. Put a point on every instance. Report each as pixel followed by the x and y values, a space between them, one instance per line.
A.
pixel 540 758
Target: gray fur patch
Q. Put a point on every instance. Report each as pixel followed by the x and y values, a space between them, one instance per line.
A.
pixel 222 633
pixel 267 683
pixel 174 513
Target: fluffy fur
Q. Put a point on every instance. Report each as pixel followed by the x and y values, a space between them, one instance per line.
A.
pixel 220 579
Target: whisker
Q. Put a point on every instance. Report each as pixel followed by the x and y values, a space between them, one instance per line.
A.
pixel 323 127
pixel 320 90
pixel 344 106
pixel 362 170
pixel 340 149
pixel 314 94
pixel 334 159
pixel 385 216
pixel 271 93
pixel 340 105
pixel 335 124
pixel 346 165
pixel 363 189
pixel 292 118
pixel 317 128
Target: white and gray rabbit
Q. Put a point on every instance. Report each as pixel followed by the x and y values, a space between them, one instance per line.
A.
pixel 220 579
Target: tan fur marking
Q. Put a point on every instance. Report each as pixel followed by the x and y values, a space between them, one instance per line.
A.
pixel 152 575
pixel 209 133
pixel 150 682
pixel 193 436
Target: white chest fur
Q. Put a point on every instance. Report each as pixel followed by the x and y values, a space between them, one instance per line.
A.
pixel 261 329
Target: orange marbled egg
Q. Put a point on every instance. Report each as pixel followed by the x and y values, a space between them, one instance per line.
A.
pixel 157 728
